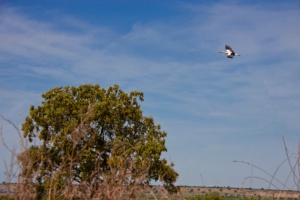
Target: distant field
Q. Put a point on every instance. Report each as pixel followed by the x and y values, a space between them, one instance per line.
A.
pixel 235 193
pixel 158 192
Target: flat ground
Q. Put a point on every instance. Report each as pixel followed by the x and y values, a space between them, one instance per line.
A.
pixel 158 192
pixel 186 191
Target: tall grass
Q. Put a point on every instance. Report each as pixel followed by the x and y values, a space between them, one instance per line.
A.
pixel 118 183
pixel 292 180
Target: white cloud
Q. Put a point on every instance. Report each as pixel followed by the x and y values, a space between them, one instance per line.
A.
pixel 191 89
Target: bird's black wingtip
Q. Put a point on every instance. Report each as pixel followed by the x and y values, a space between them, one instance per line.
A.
pixel 227 46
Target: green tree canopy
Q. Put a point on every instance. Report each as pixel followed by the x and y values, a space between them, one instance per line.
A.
pixel 89 136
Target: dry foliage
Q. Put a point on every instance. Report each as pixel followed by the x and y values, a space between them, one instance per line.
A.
pixel 120 182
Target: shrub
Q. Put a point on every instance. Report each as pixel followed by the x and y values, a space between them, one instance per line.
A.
pixel 211 196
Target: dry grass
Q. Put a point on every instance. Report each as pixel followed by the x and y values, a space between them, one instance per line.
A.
pixel 186 191
pixel 292 181
pixel 119 182
pixel 159 193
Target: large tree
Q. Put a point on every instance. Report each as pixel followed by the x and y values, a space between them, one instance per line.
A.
pixel 95 139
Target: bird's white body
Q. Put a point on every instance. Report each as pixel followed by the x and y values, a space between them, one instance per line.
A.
pixel 229 52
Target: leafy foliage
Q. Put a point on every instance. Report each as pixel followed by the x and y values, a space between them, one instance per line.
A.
pixel 92 138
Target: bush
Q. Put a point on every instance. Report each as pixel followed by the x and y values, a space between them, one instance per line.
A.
pixel 211 196
pixel 5 198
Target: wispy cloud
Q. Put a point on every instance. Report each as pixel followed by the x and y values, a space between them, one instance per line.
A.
pixel 47 51
pixel 189 87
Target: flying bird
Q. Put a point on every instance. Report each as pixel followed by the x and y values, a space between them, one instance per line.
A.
pixel 229 52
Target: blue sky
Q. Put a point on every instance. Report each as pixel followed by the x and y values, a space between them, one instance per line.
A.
pixel 214 109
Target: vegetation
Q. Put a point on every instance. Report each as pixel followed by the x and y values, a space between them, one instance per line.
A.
pixel 93 142
pixel 5 198
pixel 90 143
pixel 244 198
pixel 210 196
pixel 217 196
pixel 293 161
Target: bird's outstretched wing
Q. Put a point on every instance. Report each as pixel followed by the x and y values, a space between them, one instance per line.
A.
pixel 229 48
